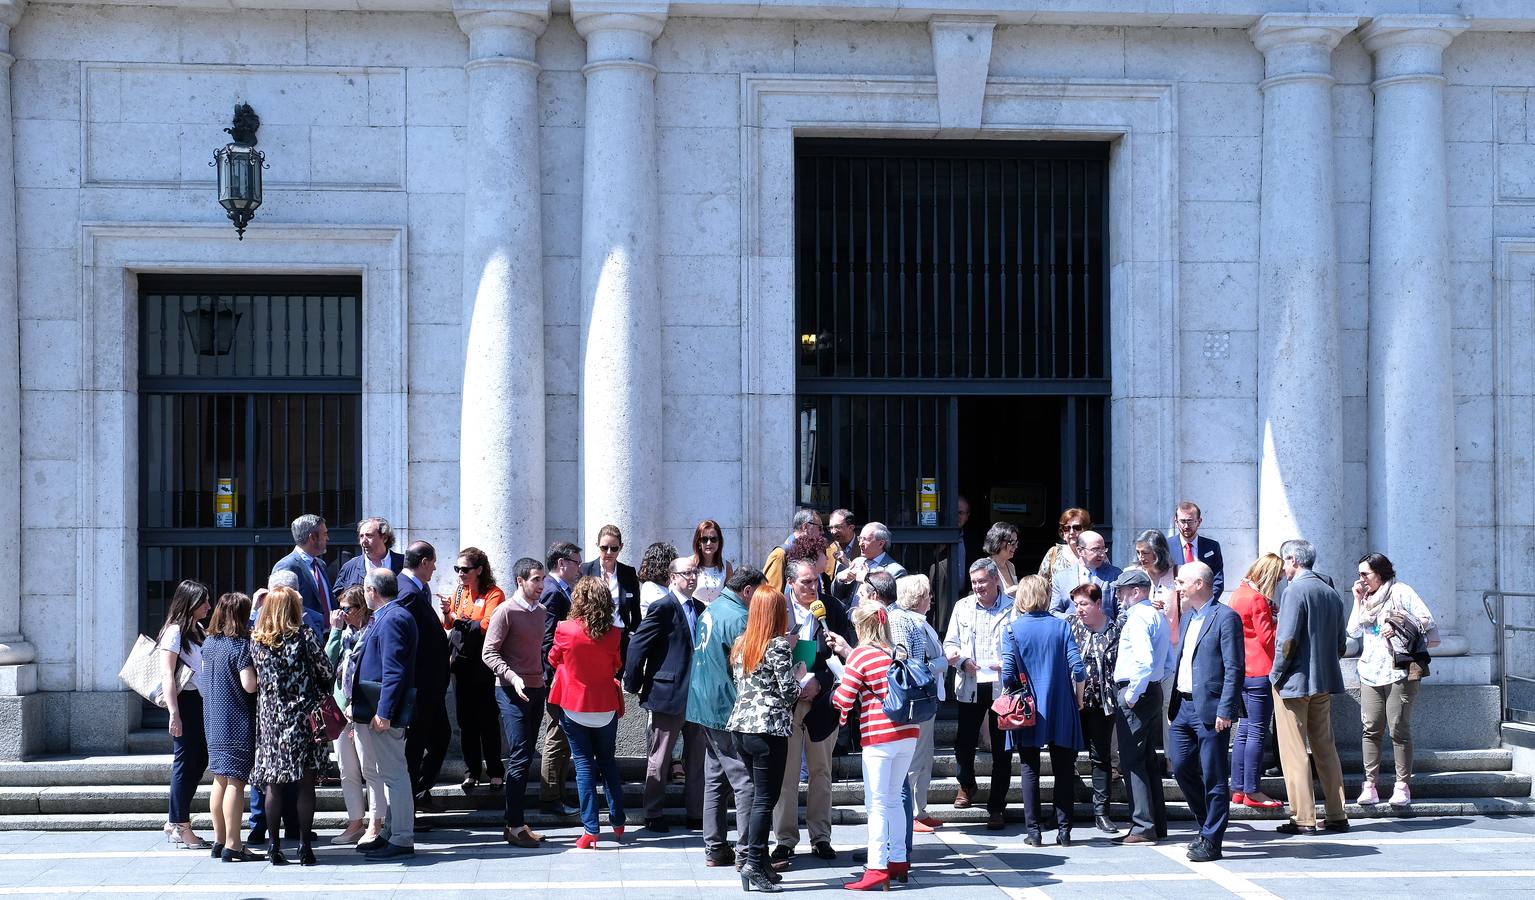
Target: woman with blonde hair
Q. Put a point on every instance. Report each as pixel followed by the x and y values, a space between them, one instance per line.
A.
pixel 767 686
pixel 587 661
pixel 1041 648
pixel 914 593
pixel 292 675
pixel 887 746
pixel 1254 602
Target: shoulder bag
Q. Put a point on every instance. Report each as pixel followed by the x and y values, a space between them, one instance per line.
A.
pixel 144 673
pixel 911 692
pixel 1017 707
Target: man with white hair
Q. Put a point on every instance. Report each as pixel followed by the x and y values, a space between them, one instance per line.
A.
pixel 1207 701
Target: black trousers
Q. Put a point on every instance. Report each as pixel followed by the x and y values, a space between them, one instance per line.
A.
pixel 479 721
pixel 1063 766
pixel 764 756
pixel 1098 728
pixel 427 739
pixel 1138 729
pixel 967 736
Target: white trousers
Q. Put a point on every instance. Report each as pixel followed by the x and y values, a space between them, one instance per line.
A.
pixel 884 770
pixel 357 790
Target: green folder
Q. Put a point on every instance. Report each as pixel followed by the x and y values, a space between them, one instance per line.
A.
pixel 804 652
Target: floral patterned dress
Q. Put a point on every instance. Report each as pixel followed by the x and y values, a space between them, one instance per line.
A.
pixel 292 679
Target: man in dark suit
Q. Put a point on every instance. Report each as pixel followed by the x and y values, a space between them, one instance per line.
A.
pixel 1207 700
pixel 626 600
pixel 376 539
pixel 564 569
pixel 657 667
pixel 426 741
pixel 1187 546
pixel 1308 644
pixel 306 562
pixel 387 658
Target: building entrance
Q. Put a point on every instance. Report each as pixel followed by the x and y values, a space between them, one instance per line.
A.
pixel 952 311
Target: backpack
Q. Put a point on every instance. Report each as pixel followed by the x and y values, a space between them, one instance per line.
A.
pixel 911 693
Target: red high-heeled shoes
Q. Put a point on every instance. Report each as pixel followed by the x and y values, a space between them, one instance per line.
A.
pixel 1238 798
pixel 586 842
pixel 873 879
pixel 1270 803
pixel 899 871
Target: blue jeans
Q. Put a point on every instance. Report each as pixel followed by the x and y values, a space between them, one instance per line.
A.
pixel 1250 734
pixel 191 759
pixel 519 726
pixel 593 752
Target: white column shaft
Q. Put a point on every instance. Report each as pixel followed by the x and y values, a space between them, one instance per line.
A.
pixel 620 351
pixel 14 649
pixel 501 464
pixel 1411 363
pixel 1299 374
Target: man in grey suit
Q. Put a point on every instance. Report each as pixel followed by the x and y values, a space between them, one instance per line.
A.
pixel 1308 642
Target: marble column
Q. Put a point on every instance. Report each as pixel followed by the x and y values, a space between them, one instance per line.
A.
pixel 1411 362
pixel 1300 381
pixel 14 649
pixel 620 317
pixel 501 462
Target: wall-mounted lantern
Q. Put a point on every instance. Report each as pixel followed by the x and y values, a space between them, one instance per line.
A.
pixel 239 166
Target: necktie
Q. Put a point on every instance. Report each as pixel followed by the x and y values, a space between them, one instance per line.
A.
pixel 319 584
pixel 1188 552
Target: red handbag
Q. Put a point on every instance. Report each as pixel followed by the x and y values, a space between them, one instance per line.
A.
pixel 1016 708
pixel 328 721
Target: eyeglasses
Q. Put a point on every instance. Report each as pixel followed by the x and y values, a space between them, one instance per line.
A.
pixel 1366 573
pixel 610 549
pixel 709 539
pixel 346 608
pixel 1188 521
pixel 687 573
pixel 1073 527
pixel 464 570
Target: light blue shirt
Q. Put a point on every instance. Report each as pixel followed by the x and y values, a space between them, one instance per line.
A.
pixel 1145 652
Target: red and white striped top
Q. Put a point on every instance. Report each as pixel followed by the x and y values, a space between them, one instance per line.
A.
pixel 863 685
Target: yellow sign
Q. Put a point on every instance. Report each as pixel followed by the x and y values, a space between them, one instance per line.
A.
pixel 927 502
pixel 226 503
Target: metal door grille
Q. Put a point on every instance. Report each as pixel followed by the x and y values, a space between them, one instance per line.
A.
pixel 952 260
pixel 253 379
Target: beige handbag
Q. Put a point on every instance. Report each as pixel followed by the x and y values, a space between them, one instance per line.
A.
pixel 146 674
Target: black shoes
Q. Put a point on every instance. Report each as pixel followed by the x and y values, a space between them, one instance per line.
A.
pixel 257 835
pixel 1204 851
pixel 823 850
pixel 1293 828
pixel 218 851
pixel 1033 839
pixel 1335 825
pixel 720 858
pixel 755 879
pixel 658 825
pixel 306 856
pixel 377 843
pixel 244 854
pixel 391 851
pixel 275 855
pixel 995 822
pixel 426 804
pixel 781 854
pixel 559 808
pixel 1106 825
pixel 1063 837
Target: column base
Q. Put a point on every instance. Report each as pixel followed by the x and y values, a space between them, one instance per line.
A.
pixel 22 726
pixel 100 721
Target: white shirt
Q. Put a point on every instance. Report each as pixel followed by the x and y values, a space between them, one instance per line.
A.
pixel 1193 622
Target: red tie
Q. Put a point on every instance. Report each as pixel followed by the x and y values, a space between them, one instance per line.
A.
pixel 319 584
pixel 1188 552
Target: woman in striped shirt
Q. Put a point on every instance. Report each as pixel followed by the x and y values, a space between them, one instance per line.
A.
pixel 887 747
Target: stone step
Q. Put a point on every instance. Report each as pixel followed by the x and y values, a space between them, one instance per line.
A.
pixel 141 769
pixel 110 799
pixel 490 820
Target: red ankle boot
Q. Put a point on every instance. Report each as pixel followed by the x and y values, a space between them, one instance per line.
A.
pixel 873 879
pixel 900 871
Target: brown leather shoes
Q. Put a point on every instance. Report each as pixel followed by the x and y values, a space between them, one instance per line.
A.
pixel 994 822
pixel 522 837
pixel 1131 840
pixel 962 799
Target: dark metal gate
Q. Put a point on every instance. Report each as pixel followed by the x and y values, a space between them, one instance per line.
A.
pixel 250 415
pixel 933 271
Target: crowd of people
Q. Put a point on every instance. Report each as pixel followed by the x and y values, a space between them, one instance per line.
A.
pixel 758 676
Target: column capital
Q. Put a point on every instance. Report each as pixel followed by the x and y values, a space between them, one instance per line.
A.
pixel 10 12
pixel 1298 47
pixel 1410 49
pixel 619 32
pixel 502 29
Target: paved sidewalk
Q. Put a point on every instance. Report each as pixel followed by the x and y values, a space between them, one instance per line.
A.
pixel 1466 857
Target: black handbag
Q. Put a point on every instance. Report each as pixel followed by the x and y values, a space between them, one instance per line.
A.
pixel 365 699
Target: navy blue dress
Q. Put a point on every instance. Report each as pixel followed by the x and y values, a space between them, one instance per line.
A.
pixel 1047 651
pixel 229 713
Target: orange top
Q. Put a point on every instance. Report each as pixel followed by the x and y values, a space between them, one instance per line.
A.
pixel 476 609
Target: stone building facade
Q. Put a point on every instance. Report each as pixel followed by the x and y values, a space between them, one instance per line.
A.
pixel 574 222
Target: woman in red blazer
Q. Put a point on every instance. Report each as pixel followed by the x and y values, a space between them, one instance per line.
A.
pixel 1253 601
pixel 587 663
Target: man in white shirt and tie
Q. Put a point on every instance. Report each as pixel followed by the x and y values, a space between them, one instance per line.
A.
pixel 1188 546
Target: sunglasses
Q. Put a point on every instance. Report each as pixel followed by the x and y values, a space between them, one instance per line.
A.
pixel 709 539
pixel 345 608
pixel 610 549
pixel 1072 528
pixel 464 570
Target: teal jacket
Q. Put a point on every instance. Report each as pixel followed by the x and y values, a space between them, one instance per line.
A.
pixel 712 685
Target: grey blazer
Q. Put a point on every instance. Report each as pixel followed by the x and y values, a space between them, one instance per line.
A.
pixel 1310 639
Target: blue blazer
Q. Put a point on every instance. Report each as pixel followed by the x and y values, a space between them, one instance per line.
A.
pixel 556 601
pixel 354 570
pixel 389 657
pixel 660 657
pixel 1042 646
pixel 311 592
pixel 431 640
pixel 1206 551
pixel 1219 667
